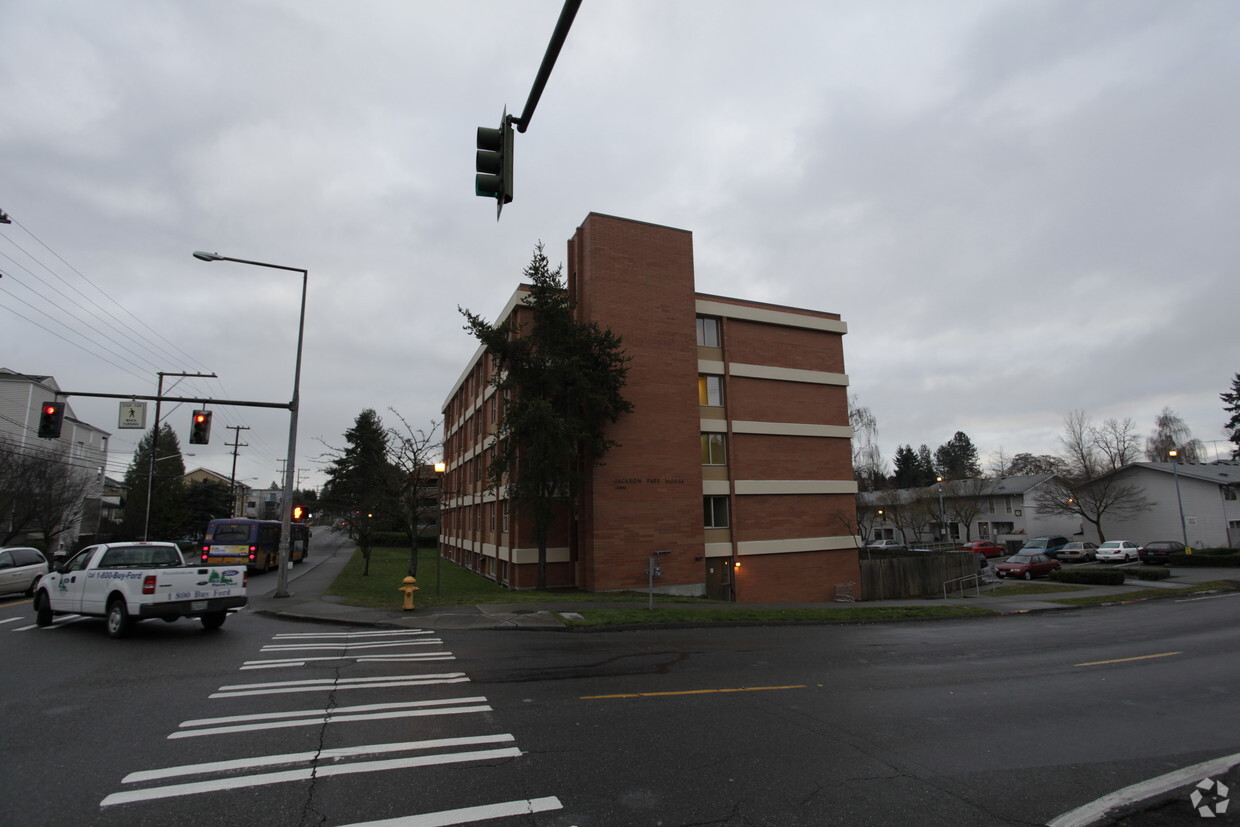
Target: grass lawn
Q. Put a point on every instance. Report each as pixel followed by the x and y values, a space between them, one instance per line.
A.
pixel 442 583
pixel 636 616
pixel 1017 589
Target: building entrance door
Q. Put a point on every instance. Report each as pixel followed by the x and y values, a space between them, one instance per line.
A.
pixel 718 578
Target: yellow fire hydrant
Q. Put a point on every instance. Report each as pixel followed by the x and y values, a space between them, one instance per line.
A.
pixel 408 588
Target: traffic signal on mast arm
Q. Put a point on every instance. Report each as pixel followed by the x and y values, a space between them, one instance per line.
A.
pixel 51 417
pixel 494 163
pixel 200 428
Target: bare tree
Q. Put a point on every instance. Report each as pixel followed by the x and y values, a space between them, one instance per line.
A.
pixel 966 498
pixel 41 490
pixel 1172 433
pixel 413 454
pixel 1092 487
pixel 1000 462
pixel 869 466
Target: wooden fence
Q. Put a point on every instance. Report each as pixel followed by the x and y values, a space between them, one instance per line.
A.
pixel 885 576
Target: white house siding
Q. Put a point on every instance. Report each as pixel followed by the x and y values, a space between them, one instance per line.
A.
pixel 1207 513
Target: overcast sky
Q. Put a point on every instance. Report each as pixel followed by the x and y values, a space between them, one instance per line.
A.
pixel 1019 208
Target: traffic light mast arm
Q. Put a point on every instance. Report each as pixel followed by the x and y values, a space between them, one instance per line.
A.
pixel 544 71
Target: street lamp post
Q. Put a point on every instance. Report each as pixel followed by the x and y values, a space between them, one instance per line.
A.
pixel 286 506
pixel 1175 469
pixel 440 469
pixel 942 512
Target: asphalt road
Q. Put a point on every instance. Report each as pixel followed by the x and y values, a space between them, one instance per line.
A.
pixel 1010 720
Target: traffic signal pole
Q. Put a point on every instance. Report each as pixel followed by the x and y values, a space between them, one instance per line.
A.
pixel 494 160
pixel 150 473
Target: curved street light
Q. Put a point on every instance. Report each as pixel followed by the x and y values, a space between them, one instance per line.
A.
pixel 287 505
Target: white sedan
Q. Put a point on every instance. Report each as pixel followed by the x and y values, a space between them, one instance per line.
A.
pixel 1121 550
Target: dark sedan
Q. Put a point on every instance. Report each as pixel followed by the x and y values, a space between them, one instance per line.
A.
pixel 1157 551
pixel 1027 566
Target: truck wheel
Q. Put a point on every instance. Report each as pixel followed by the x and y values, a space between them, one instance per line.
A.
pixel 214 620
pixel 42 609
pixel 118 619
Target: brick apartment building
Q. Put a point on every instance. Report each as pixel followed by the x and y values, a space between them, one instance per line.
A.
pixel 746 484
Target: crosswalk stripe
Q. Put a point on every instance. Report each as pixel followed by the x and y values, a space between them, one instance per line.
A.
pixel 468 815
pixel 306 774
pixel 333 687
pixel 304 757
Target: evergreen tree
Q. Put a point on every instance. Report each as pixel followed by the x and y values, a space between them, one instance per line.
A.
pixel 360 482
pixel 906 474
pixel 957 459
pixel 926 472
pixel 169 517
pixel 1232 406
pixel 560 381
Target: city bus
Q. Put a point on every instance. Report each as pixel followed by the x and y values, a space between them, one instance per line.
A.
pixel 252 543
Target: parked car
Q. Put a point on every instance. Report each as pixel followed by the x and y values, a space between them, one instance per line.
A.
pixel 20 569
pixel 886 545
pixel 1049 545
pixel 1077 552
pixel 1157 551
pixel 1026 565
pixel 989 548
pixel 1118 550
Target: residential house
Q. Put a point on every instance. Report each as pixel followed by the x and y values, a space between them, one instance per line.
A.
pixel 81 446
pixel 1207 495
pixel 955 511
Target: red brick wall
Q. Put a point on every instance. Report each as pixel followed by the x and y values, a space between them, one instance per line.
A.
pixel 637 280
pixel 764 457
pixel 792 516
pixel 795 578
pixel 764 400
pixel 786 347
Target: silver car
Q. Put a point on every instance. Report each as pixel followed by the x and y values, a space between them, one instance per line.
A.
pixel 20 569
pixel 1077 552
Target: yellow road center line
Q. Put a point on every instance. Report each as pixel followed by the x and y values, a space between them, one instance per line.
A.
pixel 688 692
pixel 1125 660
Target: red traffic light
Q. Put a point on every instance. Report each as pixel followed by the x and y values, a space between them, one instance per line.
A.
pixel 200 428
pixel 51 418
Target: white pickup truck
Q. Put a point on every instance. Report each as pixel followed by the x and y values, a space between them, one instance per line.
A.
pixel 128 582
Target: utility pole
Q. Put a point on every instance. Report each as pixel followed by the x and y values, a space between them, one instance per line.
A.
pixel 232 478
pixel 150 473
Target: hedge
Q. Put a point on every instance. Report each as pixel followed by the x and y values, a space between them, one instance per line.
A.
pixel 1093 577
pixel 1153 573
pixel 1200 559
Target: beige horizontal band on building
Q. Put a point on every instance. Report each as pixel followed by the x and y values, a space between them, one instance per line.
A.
pixel 769 316
pixel 794 546
pixel 795 487
pixel 815 377
pixel 791 429
pixel 558 554
pixel 719 488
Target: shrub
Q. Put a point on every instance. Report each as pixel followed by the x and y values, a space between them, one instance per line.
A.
pixel 1153 573
pixel 1200 559
pixel 1093 577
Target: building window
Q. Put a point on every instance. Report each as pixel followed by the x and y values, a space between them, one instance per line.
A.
pixel 707 332
pixel 505 516
pixel 710 390
pixel 1229 492
pixel 714 449
pixel 716 511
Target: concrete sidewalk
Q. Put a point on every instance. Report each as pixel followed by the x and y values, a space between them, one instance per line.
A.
pixel 308 601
